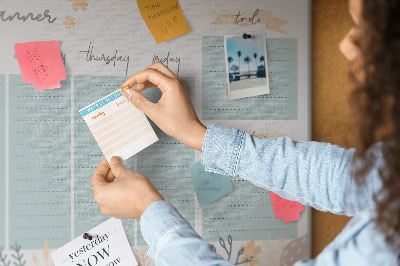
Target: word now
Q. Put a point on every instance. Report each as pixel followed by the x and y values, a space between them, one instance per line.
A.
pixel 94 258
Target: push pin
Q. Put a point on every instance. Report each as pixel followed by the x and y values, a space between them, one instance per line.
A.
pixel 246 36
pixel 87 236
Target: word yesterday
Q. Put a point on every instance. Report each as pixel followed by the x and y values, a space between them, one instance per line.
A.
pixel 87 247
pixel 106 58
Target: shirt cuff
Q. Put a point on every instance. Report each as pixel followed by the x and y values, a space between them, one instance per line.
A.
pixel 222 147
pixel 158 219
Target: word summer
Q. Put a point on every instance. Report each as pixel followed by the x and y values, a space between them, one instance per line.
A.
pixel 24 18
pixel 90 56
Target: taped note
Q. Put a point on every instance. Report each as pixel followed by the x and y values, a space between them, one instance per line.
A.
pixel 118 126
pixel 164 18
pixel 287 210
pixel 209 186
pixel 41 64
pixel 106 244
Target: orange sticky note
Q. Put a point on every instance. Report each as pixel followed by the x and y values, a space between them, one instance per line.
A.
pixel 284 209
pixel 164 18
pixel 41 64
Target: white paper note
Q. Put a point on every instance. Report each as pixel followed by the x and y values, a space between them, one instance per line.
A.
pixel 109 246
pixel 118 126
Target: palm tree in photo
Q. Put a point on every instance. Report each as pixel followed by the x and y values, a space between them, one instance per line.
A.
pixel 255 60
pixel 262 59
pixel 239 55
pixel 230 60
pixel 247 60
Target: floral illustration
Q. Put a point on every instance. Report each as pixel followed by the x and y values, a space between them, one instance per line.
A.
pixel 228 251
pixel 273 250
pixel 69 22
pixel 3 258
pixel 251 251
pixel 142 257
pixel 18 257
pixel 82 4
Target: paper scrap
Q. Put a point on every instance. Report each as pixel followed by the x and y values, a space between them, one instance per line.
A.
pixel 164 19
pixel 118 126
pixel 209 186
pixel 41 63
pixel 287 210
pixel 108 246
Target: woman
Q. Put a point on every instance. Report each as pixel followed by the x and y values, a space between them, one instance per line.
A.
pixel 362 182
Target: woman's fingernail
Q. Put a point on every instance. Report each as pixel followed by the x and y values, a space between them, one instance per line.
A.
pixel 124 88
pixel 115 160
pixel 128 93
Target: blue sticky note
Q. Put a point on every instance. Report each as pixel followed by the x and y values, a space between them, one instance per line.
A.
pixel 209 186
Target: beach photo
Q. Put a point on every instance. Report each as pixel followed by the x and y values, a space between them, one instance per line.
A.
pixel 246 65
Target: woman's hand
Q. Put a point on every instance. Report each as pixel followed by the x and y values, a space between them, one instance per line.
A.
pixel 127 197
pixel 174 113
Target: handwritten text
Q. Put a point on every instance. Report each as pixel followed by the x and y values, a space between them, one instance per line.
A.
pixel 106 58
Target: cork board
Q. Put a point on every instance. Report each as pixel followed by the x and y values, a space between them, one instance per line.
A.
pixel 331 89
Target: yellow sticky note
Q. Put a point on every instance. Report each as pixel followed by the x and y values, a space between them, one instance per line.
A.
pixel 164 18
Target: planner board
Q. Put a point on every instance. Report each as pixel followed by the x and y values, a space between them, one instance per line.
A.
pixel 48 154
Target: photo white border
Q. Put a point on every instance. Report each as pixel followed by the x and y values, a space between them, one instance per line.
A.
pixel 248 92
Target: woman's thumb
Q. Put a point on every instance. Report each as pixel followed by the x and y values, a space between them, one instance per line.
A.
pixel 117 167
pixel 138 100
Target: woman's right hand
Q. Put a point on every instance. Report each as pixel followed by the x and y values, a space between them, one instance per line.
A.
pixel 173 113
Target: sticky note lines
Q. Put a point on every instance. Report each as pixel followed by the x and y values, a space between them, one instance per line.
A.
pixel 280 104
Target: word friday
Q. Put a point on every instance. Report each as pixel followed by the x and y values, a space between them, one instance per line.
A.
pixel 17 15
pixel 168 59
pixel 106 58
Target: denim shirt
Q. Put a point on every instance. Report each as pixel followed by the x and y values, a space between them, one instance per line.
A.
pixel 312 173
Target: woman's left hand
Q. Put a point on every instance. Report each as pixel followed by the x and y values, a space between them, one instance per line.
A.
pixel 127 197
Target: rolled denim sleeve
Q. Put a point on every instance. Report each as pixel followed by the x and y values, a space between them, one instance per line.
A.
pixel 172 240
pixel 313 173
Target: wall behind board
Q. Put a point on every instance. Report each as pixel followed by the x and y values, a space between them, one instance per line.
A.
pixel 331 89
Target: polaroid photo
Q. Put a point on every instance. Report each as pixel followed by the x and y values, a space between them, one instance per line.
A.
pixel 246 65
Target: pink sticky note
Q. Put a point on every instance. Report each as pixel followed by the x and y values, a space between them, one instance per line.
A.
pixel 284 209
pixel 41 63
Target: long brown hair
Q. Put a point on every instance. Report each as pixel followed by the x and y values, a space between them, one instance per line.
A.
pixel 375 103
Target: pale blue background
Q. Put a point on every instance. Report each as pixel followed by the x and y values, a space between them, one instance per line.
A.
pixel 2 158
pixel 87 154
pixel 166 164
pixel 280 104
pixel 40 168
